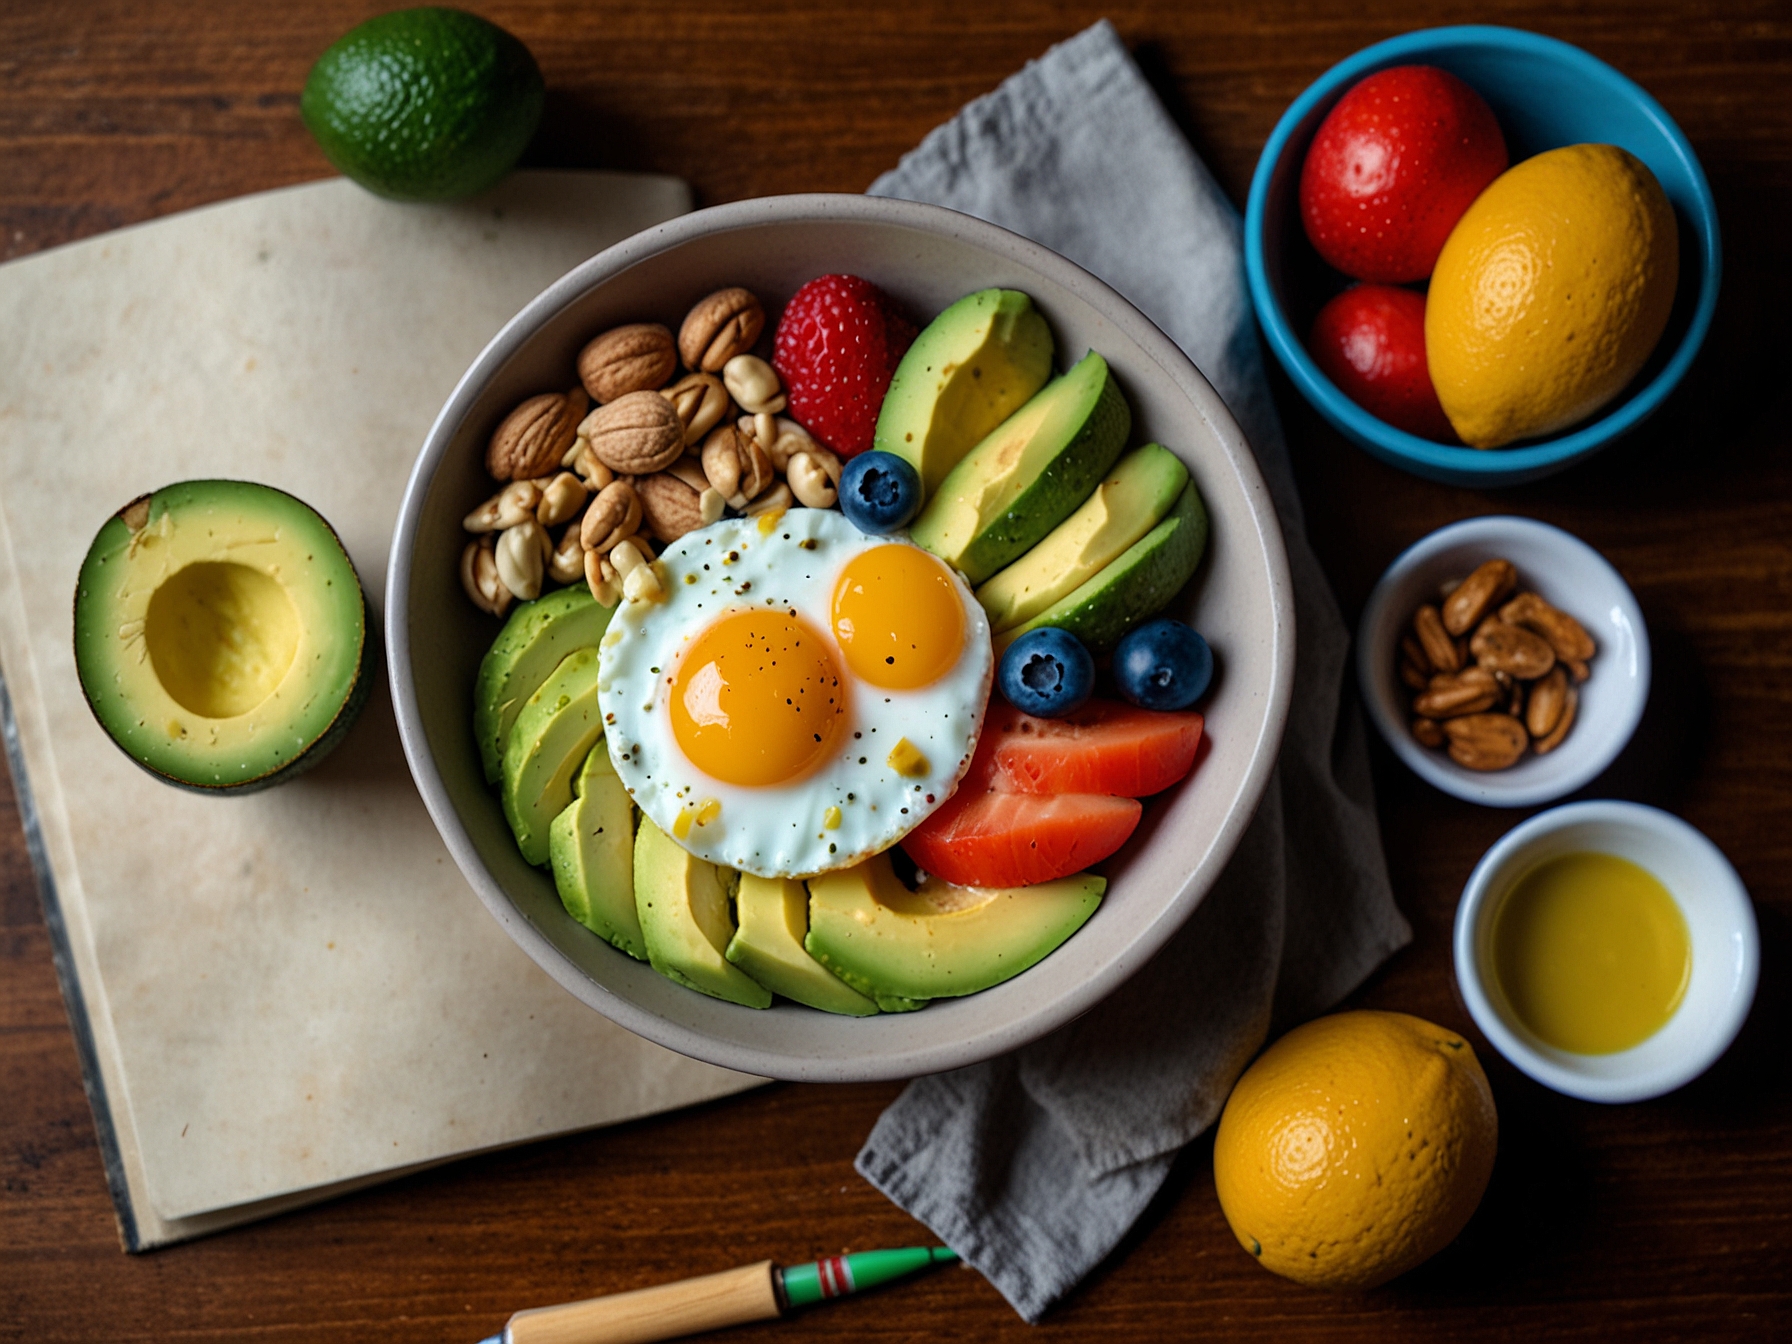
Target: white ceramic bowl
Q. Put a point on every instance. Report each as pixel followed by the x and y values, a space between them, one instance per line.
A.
pixel 1726 950
pixel 1567 573
pixel 925 257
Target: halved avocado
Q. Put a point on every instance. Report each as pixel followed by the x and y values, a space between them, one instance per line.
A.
pixel 1136 584
pixel 971 368
pixel 938 941
pixel 1139 491
pixel 591 848
pixel 531 644
pixel 683 905
pixel 221 635
pixel 774 918
pixel 1029 474
pixel 553 735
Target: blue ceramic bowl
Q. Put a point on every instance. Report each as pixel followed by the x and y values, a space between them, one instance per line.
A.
pixel 1546 94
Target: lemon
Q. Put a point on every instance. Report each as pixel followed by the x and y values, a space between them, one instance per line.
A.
pixel 424 104
pixel 1550 293
pixel 1355 1147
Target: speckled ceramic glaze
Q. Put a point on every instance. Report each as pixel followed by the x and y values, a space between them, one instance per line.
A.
pixel 925 257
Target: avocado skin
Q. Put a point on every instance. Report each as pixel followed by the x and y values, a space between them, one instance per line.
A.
pixel 903 948
pixel 1143 486
pixel 999 352
pixel 529 647
pixel 1093 444
pixel 114 537
pixel 1137 584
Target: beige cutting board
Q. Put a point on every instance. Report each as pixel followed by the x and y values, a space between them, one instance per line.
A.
pixel 290 993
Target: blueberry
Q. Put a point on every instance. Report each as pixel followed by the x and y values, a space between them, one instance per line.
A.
pixel 1046 672
pixel 879 492
pixel 1163 664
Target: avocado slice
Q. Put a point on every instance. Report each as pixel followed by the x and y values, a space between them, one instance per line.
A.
pixel 553 735
pixel 591 848
pixel 774 919
pixel 938 941
pixel 683 906
pixel 1029 474
pixel 1138 584
pixel 971 368
pixel 531 644
pixel 1140 489
pixel 221 635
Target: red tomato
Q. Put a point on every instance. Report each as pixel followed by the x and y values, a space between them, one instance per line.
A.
pixel 1391 169
pixel 1370 341
pixel 987 838
pixel 1038 801
pixel 1103 747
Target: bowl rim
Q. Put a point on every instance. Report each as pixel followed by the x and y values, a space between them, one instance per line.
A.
pixel 1262 527
pixel 1728 890
pixel 1439 771
pixel 1461 463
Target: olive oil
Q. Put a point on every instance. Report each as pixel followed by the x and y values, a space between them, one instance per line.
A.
pixel 1592 953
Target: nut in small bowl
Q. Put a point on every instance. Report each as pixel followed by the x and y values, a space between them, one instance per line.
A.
pixel 1455 711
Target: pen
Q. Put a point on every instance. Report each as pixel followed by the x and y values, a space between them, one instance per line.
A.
pixel 733 1297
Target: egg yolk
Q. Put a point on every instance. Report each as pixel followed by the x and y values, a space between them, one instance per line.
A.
pixel 757 699
pixel 898 617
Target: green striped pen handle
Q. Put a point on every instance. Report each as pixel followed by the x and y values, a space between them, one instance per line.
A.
pixel 733 1297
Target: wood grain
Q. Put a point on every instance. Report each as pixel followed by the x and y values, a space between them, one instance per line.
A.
pixel 1668 1219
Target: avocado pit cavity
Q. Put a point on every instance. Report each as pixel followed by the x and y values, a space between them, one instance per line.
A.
pixel 221 637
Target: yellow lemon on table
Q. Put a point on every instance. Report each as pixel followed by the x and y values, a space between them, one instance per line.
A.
pixel 1355 1147
pixel 1550 293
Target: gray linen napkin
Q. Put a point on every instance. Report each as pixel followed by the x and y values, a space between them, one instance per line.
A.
pixel 1033 1166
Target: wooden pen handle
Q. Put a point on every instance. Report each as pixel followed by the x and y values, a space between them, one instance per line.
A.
pixel 733 1297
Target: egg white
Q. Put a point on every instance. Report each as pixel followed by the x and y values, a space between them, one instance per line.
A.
pixel 781 830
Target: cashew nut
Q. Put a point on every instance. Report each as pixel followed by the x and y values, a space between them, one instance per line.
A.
pixel 613 515
pixel 754 385
pixel 775 500
pixel 780 437
pixel 479 576
pixel 522 558
pixel 641 584
pixel 604 587
pixel 814 478
pixel 582 458
pixel 701 401
pixel 514 504
pixel 627 557
pixel 561 498
pixel 566 564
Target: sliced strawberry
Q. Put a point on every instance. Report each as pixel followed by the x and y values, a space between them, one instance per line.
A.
pixel 838 342
pixel 1103 747
pixel 983 838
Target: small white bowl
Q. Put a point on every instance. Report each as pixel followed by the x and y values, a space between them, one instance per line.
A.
pixel 1726 948
pixel 1568 574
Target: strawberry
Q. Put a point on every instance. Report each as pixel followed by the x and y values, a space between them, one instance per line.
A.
pixel 838 342
pixel 1391 169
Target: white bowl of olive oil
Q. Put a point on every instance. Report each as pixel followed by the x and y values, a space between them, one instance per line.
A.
pixel 1607 949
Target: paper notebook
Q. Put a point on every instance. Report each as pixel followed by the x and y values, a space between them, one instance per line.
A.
pixel 282 996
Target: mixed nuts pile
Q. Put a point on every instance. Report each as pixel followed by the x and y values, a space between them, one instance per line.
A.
pixel 1509 687
pixel 656 457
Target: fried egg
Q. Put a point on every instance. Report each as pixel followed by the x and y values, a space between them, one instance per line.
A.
pixel 801 697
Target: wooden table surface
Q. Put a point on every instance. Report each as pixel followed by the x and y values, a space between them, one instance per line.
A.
pixel 1671 1218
